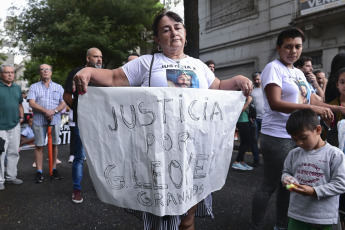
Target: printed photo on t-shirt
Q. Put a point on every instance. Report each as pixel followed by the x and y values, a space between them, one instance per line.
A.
pixel 182 78
pixel 304 92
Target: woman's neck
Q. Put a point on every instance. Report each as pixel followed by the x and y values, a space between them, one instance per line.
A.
pixel 174 56
pixel 290 66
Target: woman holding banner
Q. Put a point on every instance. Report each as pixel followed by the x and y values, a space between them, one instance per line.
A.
pixel 154 71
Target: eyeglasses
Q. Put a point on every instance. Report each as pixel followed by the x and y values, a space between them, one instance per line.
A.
pixel 42 70
pixel 8 72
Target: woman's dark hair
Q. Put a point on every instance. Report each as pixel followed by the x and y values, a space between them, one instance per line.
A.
pixel 332 92
pixel 160 15
pixel 292 32
pixel 300 120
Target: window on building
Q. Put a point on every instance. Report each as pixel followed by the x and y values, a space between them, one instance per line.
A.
pixel 226 11
pixel 316 59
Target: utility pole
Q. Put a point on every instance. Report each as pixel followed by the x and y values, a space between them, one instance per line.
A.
pixel 191 18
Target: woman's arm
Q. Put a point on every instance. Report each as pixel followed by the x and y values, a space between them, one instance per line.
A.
pixel 273 93
pixel 100 77
pixel 334 108
pixel 234 83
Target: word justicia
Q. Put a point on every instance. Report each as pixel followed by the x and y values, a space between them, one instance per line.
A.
pixel 144 114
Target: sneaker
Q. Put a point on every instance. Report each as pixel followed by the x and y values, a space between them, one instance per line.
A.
pixel 2 187
pixel 34 165
pixel 58 161
pixel 247 166
pixel 76 196
pixel 56 175
pixel 14 181
pixel 71 158
pixel 39 178
pixel 239 166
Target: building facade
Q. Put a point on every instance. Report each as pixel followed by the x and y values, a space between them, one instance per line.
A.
pixel 240 36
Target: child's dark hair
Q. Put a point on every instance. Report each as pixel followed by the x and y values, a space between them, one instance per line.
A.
pixel 300 120
pixel 341 71
pixel 292 32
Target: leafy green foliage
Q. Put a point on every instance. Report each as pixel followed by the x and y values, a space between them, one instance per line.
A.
pixel 59 32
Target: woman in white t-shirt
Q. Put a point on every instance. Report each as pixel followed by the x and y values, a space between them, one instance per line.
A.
pixel 170 67
pixel 285 89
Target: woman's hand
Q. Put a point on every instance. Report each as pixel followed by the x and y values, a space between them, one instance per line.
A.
pixel 81 80
pixel 244 84
pixel 326 114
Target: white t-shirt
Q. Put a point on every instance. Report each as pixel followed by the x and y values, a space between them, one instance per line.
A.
pixel 258 97
pixel 28 132
pixel 26 106
pixel 295 89
pixel 187 72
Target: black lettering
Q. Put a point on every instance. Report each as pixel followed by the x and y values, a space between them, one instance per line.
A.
pixel 190 111
pixel 158 199
pixel 166 142
pixel 216 105
pixel 147 111
pixel 181 109
pixel 142 199
pixel 134 117
pixel 175 165
pixel 114 182
pixel 164 114
pixel 156 174
pixel 170 198
pixel 199 158
pixel 150 139
pixel 115 120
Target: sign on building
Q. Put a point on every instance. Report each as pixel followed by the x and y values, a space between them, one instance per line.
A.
pixel 311 6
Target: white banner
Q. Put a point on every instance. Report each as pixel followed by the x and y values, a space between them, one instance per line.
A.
pixel 159 150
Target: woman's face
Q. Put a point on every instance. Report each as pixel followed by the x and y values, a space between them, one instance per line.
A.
pixel 171 35
pixel 341 84
pixel 290 51
pixel 184 80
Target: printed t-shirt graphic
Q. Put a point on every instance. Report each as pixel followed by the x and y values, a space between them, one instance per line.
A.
pixel 304 92
pixel 182 78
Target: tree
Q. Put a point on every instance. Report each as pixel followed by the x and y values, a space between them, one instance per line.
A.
pixel 191 18
pixel 3 56
pixel 61 31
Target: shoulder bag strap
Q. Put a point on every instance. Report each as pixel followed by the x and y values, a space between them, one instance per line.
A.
pixel 153 57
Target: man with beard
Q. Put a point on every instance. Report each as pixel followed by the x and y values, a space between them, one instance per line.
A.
pixel 93 59
pixel 304 63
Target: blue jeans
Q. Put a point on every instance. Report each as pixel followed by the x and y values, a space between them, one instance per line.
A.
pixel 78 162
pixel 256 127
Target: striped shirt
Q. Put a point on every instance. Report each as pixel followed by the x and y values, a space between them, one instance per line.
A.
pixel 48 98
pixel 151 221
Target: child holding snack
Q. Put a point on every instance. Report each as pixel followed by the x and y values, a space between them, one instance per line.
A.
pixel 317 171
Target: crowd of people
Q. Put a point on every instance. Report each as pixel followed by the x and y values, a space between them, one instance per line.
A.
pixel 286 107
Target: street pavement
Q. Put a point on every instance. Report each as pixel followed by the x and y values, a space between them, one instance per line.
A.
pixel 49 206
